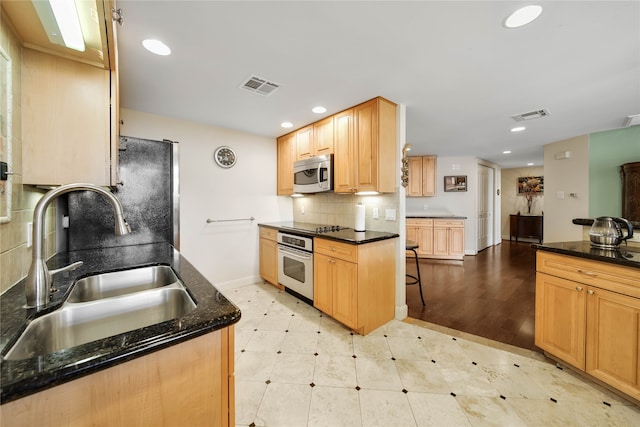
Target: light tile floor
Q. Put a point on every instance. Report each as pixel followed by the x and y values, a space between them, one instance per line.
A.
pixel 297 367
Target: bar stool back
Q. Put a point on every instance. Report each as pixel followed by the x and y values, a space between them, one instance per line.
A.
pixel 412 246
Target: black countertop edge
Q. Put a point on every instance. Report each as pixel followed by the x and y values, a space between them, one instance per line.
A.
pixel 589 222
pixel 627 256
pixel 346 235
pixel 435 216
pixel 20 378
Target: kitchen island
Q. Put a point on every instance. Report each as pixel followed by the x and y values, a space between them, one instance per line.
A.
pixel 179 371
pixel 587 311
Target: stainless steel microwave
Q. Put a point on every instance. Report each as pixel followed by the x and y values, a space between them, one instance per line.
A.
pixel 313 175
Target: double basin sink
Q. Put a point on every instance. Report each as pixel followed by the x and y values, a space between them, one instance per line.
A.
pixel 105 305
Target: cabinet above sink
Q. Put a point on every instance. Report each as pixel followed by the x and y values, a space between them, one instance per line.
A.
pixel 69 111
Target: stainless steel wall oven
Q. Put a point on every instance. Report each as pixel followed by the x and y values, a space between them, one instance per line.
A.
pixel 295 265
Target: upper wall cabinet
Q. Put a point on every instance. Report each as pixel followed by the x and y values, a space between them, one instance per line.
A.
pixel 69 101
pixel 362 140
pixel 286 156
pixel 422 176
pixel 315 139
pixel 365 158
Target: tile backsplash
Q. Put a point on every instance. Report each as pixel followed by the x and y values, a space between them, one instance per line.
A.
pixel 340 209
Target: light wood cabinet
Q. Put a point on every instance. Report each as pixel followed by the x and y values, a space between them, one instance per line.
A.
pixel 363 142
pixel 344 170
pixel 421 232
pixel 269 255
pixel 437 238
pixel 191 383
pixel 588 315
pixel 560 318
pixel 69 109
pixel 304 142
pixel 286 151
pixel 323 136
pixel 448 238
pixel 315 139
pixel 355 284
pixel 372 151
pixel 422 176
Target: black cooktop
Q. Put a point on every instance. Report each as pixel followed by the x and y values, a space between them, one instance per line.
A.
pixel 313 228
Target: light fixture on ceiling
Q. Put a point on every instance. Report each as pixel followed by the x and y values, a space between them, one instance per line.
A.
pixel 523 16
pixel 506 152
pixel 518 129
pixel 61 23
pixel 529 164
pixel 156 46
pixel 286 124
pixel 319 109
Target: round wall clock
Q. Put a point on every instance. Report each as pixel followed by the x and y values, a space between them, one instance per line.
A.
pixel 225 156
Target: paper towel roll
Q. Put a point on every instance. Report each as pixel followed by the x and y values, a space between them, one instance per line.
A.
pixel 359 217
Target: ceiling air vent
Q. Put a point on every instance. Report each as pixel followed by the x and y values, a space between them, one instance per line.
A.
pixel 536 114
pixel 261 86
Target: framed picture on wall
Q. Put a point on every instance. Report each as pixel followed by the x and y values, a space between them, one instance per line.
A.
pixel 455 183
pixel 533 185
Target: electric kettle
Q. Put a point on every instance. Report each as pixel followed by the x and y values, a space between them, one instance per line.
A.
pixel 607 232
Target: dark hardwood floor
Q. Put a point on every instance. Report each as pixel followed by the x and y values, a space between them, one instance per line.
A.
pixel 491 295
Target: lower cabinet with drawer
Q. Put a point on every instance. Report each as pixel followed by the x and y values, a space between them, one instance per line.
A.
pixel 269 255
pixel 588 315
pixel 355 284
pixel 437 238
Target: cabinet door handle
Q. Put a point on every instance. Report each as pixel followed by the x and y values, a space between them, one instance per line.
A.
pixel 333 249
pixel 578 288
pixel 590 292
pixel 588 273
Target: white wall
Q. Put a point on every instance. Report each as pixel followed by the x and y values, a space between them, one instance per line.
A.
pixel 569 175
pixel 225 253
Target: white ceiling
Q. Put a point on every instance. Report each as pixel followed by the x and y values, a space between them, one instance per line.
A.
pixel 458 70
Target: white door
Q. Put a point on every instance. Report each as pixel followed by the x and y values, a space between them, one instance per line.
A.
pixel 485 206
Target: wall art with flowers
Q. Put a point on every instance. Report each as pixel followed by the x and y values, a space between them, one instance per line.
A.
pixel 530 186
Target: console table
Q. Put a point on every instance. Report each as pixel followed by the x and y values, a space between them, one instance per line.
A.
pixel 525 226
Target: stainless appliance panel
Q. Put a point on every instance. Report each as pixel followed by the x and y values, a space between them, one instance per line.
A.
pixel 313 175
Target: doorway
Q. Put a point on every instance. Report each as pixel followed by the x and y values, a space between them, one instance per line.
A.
pixel 486 184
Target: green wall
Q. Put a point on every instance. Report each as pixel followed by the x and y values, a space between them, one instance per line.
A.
pixel 607 151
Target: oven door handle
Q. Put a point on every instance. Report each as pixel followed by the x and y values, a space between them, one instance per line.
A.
pixel 295 252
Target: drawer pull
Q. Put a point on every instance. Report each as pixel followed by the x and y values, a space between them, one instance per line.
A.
pixel 590 292
pixel 578 288
pixel 588 273
pixel 333 249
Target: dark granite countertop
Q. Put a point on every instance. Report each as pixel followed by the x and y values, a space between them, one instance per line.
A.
pixel 625 255
pixel 589 222
pixel 348 235
pixel 19 378
pixel 434 216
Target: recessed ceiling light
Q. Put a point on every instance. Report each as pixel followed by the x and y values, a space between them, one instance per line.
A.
pixel 156 46
pixel 523 16
pixel 518 129
pixel 286 124
pixel 506 152
pixel 529 164
pixel 319 110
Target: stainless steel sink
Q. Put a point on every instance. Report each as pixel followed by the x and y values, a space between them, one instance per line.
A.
pixel 123 282
pixel 76 323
